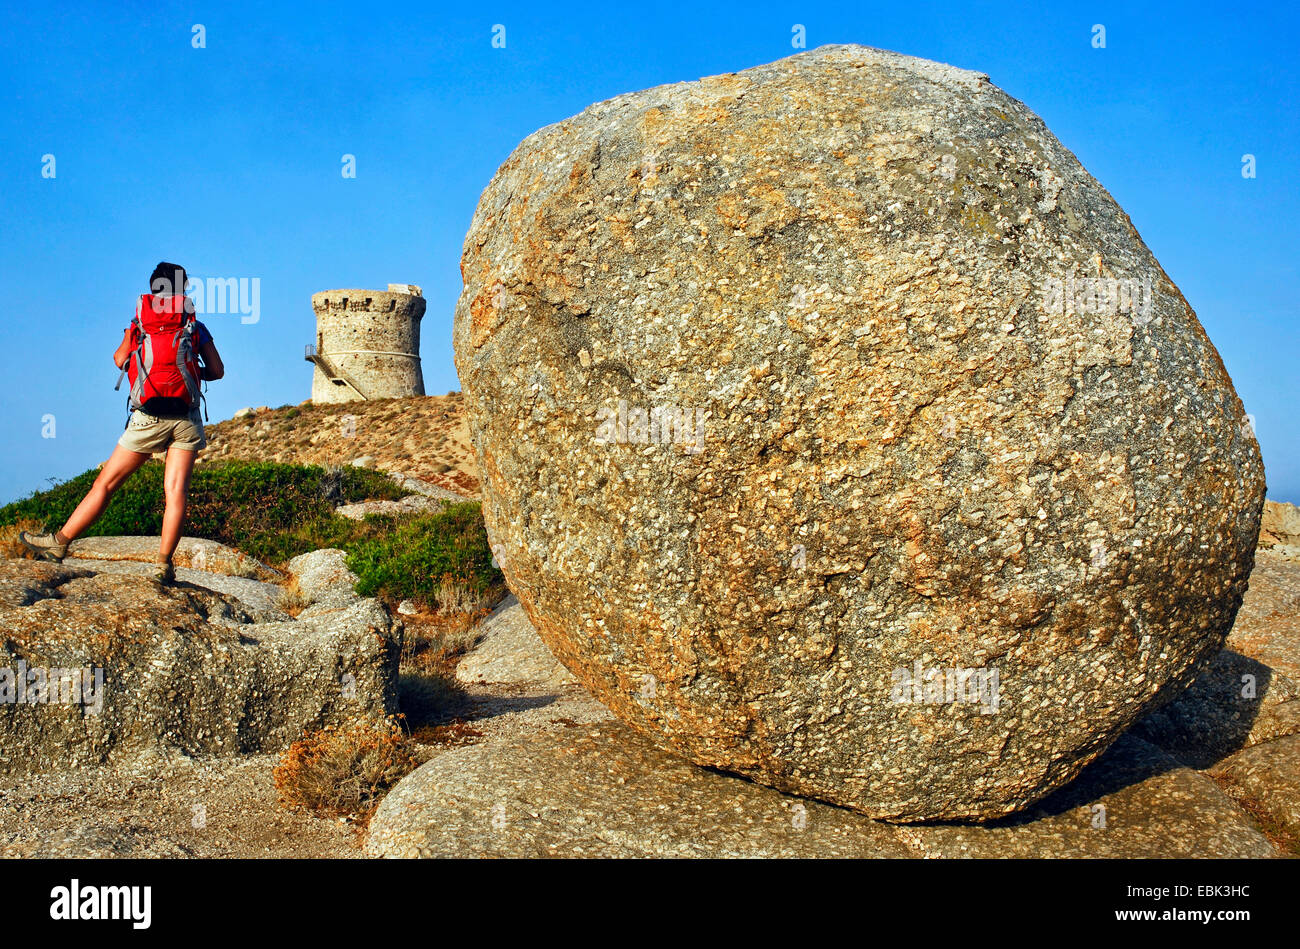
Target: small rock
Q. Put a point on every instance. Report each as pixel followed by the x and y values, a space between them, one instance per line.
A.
pixel 324 576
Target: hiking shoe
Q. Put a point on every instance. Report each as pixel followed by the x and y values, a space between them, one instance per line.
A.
pixel 44 546
pixel 163 573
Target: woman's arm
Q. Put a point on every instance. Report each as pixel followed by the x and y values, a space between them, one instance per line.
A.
pixel 212 367
pixel 123 350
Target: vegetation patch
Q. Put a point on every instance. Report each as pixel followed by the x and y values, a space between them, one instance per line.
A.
pixel 345 770
pixel 10 546
pixel 439 558
pixel 240 503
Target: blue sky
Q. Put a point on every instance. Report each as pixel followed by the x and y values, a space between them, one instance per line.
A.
pixel 227 159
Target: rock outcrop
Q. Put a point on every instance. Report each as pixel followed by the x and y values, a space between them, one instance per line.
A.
pixel 93 664
pixel 511 652
pixel 1280 528
pixel 1268 626
pixel 837 429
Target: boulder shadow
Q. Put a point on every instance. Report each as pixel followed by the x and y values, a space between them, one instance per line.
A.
pixel 1213 718
pixel 434 700
pixel 1209 721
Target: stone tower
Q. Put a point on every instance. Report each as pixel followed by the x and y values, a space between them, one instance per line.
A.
pixel 367 344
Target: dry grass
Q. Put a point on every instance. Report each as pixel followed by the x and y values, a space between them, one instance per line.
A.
pixel 451 735
pixel 345 770
pixel 427 431
pixel 457 599
pixel 10 546
pixel 293 598
pixel 433 645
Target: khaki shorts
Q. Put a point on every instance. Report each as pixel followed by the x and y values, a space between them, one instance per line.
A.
pixel 149 435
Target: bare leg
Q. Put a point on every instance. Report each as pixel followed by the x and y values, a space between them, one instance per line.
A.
pixel 120 466
pixel 176 487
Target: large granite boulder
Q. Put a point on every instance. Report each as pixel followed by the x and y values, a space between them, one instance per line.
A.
pixel 837 429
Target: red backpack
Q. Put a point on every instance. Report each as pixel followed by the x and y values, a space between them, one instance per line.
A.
pixel 164 367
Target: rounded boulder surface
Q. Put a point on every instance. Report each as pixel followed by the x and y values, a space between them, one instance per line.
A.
pixel 838 430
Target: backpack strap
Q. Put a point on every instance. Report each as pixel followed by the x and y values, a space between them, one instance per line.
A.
pixel 186 333
pixel 136 398
pixel 136 329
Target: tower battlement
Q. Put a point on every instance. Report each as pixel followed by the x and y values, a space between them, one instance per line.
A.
pixel 367 344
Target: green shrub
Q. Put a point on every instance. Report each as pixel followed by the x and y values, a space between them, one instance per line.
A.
pixel 422 558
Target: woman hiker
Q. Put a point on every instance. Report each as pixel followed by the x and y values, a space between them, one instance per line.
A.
pixel 161 353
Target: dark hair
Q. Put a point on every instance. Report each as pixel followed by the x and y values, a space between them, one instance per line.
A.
pixel 167 279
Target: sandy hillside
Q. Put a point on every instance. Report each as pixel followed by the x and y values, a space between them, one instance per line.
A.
pixel 424 436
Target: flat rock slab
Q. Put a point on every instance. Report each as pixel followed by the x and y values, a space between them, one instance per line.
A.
pixel 262 599
pixel 512 653
pixel 162 805
pixel 1266 780
pixel 556 775
pixel 605 792
pixel 1133 802
pixel 194 552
